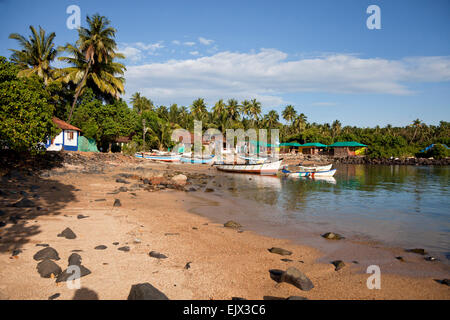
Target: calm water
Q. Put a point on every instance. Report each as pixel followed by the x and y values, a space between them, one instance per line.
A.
pixel 404 206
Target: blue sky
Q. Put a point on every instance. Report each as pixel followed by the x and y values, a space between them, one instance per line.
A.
pixel 316 55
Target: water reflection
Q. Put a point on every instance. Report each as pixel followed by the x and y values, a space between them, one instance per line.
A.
pixel 405 205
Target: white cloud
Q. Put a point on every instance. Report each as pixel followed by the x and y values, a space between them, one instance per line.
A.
pixel 189 43
pixel 135 52
pixel 268 74
pixel 176 42
pixel 204 41
pixel 323 104
pixel 194 53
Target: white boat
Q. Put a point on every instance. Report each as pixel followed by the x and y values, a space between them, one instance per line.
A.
pixel 255 160
pixel 163 158
pixel 309 174
pixel 270 168
pixel 315 168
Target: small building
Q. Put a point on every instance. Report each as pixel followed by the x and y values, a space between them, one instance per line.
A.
pixel 289 147
pixel 348 148
pixel 66 140
pixel 312 148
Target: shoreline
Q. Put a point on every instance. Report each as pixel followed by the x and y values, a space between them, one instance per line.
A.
pixel 224 263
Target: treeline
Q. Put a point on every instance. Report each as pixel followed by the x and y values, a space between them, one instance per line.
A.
pixel 86 93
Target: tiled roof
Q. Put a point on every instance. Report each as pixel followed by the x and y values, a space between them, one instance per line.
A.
pixel 64 125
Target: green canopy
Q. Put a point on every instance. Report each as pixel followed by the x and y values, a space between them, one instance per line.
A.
pixel 314 144
pixel 347 144
pixel 86 145
pixel 290 144
pixel 262 144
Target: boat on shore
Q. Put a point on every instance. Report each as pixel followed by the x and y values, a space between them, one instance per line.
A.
pixel 300 168
pixel 309 174
pixel 197 160
pixel 268 168
pixel 254 160
pixel 159 157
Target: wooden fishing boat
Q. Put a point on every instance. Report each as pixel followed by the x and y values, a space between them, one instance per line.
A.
pixel 270 168
pixel 254 160
pixel 315 168
pixel 312 175
pixel 163 158
pixel 197 160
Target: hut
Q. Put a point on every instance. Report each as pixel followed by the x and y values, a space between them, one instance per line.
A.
pixel 66 140
pixel 312 148
pixel 290 147
pixel 348 148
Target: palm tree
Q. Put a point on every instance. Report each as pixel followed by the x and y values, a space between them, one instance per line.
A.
pixel 300 121
pixel 93 60
pixel 289 114
pixel 233 109
pixel 416 124
pixel 247 108
pixel 336 128
pixel 271 119
pixel 140 103
pixel 198 108
pixel 36 55
pixel 219 108
pixel 255 110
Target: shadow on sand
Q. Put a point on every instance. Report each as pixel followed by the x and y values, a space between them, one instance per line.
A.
pixel 26 195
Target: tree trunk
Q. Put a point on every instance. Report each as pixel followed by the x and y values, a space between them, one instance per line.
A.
pixel 80 86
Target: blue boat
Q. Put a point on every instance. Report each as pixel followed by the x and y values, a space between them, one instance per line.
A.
pixel 197 160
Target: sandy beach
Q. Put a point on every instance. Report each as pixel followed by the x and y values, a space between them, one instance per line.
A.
pixel 204 260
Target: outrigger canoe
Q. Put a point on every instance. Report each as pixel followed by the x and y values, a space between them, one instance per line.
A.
pixel 328 173
pixel 270 168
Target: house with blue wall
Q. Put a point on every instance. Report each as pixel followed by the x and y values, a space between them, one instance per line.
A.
pixel 66 140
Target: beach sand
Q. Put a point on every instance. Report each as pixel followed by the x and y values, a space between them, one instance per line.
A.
pixel 223 262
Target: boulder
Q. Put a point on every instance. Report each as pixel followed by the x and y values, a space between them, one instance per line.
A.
pixel 68 234
pixel 145 291
pixel 101 247
pixel 64 276
pixel 47 267
pixel 124 249
pixel 46 253
pixel 179 180
pixel 117 203
pixel 339 264
pixel 332 236
pixel 292 276
pixel 24 203
pixel 232 224
pixel 157 255
pixel 75 259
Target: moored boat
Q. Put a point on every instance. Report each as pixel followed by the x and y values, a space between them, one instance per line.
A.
pixel 309 168
pixel 163 158
pixel 309 174
pixel 197 160
pixel 270 168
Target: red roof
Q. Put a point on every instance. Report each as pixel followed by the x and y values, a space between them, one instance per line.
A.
pixel 64 125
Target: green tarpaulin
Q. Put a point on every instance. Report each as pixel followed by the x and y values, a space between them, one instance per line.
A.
pixel 87 145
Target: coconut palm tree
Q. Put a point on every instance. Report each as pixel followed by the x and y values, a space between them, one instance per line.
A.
pixel 289 114
pixel 300 122
pixel 36 55
pixel 219 108
pixel 140 103
pixel 92 60
pixel 336 128
pixel 416 124
pixel 271 119
pixel 198 109
pixel 233 109
pixel 247 108
pixel 255 110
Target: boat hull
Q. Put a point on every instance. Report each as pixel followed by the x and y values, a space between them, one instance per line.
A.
pixel 315 169
pixel 263 169
pixel 160 158
pixel 312 175
pixel 198 161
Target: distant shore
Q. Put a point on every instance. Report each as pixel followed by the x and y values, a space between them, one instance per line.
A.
pixel 156 212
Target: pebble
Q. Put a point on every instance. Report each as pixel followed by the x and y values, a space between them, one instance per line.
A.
pixel 232 224
pixel 124 249
pixel 55 296
pixel 117 203
pixel 280 251
pixel 101 247
pixel 417 251
pixel 332 236
pixel 157 255
pixel 80 216
pixel 339 264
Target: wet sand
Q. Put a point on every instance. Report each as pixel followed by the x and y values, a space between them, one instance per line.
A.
pixel 224 263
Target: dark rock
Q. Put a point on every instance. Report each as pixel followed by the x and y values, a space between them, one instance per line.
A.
pixel 47 253
pixel 157 255
pixel 280 251
pixel 332 236
pixel 47 267
pixel 64 276
pixel 145 291
pixel 286 260
pixel 417 250
pixel 188 265
pixel 68 234
pixel 53 297
pixel 24 203
pixel 100 247
pixel 80 216
pixel 16 252
pixel 339 264
pixel 120 180
pixel 99 200
pixel 123 189
pixel 115 243
pixel 232 224
pixel 446 282
pixel 399 258
pixel 42 245
pixel 296 298
pixel 124 249
pixel 209 190
pixel 75 259
pixel 117 203
pixel 292 276
pixel 77 250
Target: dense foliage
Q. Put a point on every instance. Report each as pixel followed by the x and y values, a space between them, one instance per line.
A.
pixel 25 111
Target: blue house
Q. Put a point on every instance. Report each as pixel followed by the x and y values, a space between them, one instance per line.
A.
pixel 66 140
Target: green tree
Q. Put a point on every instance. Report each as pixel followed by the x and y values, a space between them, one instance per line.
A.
pixel 36 54
pixel 271 119
pixel 25 111
pixel 289 114
pixel 92 60
pixel 141 103
pixel 198 109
